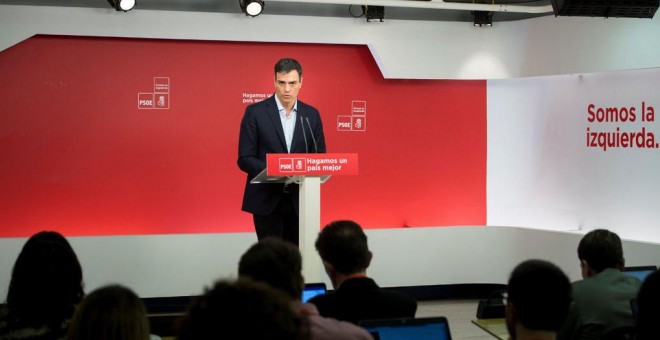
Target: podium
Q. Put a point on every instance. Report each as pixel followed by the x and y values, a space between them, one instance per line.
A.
pixel 309 171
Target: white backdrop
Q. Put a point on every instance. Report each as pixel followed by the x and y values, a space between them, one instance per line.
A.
pixel 541 171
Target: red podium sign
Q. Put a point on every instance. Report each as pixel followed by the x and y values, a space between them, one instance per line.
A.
pixel 311 164
pixel 308 170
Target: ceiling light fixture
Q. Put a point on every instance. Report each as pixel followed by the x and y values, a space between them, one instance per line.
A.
pixel 122 5
pixel 251 7
pixel 482 18
pixel 374 13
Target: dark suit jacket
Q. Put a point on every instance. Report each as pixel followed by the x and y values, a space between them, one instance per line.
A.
pixel 262 133
pixel 361 299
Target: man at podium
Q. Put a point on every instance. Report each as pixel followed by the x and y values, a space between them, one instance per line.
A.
pixel 279 124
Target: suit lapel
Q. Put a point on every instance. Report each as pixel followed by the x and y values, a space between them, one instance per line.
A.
pixel 274 115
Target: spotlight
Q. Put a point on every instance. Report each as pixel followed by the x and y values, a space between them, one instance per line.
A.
pixel 482 18
pixel 251 7
pixel 122 5
pixel 374 13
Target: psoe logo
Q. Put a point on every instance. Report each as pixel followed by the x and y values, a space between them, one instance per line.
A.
pixel 286 164
pixel 344 123
pixel 145 100
pixel 293 164
pixel 299 164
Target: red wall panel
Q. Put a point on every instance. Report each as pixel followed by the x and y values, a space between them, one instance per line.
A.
pixel 77 154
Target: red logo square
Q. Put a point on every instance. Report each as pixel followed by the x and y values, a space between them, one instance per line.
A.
pixel 145 100
pixel 299 164
pixel 286 165
pixel 344 123
pixel 161 101
pixel 359 123
pixel 162 84
pixel 359 108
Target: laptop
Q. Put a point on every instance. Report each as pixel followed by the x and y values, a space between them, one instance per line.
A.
pixel 640 272
pixel 313 289
pixel 428 328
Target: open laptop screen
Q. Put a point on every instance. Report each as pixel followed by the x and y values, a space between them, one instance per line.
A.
pixel 430 328
pixel 313 289
pixel 640 272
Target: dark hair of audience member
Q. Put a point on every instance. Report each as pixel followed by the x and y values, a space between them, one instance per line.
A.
pixel 648 308
pixel 243 309
pixel 541 294
pixel 110 313
pixel 46 282
pixel 344 245
pixel 275 262
pixel 601 249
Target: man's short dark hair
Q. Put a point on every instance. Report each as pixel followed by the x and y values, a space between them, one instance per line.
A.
pixel 286 65
pixel 541 295
pixel 343 244
pixel 275 262
pixel 601 249
pixel 243 309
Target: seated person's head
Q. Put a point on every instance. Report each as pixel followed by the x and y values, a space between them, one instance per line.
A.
pixel 539 296
pixel 110 313
pixel 598 250
pixel 244 309
pixel 46 281
pixel 343 248
pixel 648 308
pixel 275 262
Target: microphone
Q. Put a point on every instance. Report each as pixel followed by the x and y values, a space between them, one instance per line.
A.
pixel 316 149
pixel 304 133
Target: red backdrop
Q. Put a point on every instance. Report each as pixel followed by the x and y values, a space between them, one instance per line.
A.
pixel 77 154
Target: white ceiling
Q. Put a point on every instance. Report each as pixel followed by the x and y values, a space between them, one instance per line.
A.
pixel 505 10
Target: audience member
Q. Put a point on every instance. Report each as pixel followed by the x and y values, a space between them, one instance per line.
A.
pixel 46 285
pixel 244 309
pixel 110 313
pixel 648 308
pixel 343 248
pixel 601 301
pixel 539 295
pixel 279 264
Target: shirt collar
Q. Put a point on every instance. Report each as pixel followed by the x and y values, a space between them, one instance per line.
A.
pixel 280 107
